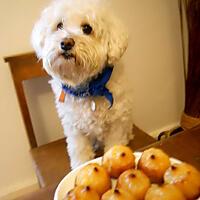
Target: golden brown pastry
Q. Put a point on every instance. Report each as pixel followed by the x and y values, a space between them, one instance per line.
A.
pixel 186 178
pixel 117 194
pixel 94 176
pixel 82 193
pixel 135 182
pixel 118 159
pixel 164 192
pixel 154 162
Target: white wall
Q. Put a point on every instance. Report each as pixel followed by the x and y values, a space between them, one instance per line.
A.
pixel 154 62
pixel 153 65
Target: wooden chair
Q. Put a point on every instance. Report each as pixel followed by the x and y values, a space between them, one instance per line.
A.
pixel 50 161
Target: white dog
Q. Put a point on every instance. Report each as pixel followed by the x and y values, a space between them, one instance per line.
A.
pixel 80 43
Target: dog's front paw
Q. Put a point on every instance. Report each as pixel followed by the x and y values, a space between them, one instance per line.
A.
pixel 76 161
pixel 80 149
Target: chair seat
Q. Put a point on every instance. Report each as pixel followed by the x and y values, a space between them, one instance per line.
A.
pixel 141 139
pixel 52 163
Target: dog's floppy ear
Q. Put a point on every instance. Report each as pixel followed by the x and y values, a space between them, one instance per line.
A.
pixel 117 41
pixel 37 38
pixel 39 32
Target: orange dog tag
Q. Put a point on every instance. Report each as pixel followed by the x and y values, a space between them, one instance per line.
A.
pixel 62 96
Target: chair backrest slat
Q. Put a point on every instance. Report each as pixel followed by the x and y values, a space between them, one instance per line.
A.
pixel 25 67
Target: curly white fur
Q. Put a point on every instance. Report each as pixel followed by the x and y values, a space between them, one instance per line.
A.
pixel 83 124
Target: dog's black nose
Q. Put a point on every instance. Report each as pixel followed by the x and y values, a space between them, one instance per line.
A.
pixel 67 44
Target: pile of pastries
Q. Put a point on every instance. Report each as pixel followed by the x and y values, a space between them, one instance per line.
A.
pixel 152 178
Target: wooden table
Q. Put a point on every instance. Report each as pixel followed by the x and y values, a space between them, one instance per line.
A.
pixel 184 146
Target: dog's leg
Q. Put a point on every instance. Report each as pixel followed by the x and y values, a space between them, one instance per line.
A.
pixel 120 134
pixel 80 149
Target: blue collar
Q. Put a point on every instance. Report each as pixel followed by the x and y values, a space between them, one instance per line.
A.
pixel 95 87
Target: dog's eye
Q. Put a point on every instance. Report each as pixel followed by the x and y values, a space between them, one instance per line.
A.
pixel 87 29
pixel 60 26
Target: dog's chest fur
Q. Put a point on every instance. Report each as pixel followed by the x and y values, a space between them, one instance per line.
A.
pixel 91 115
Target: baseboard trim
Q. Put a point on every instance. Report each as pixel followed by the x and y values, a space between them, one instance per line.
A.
pixel 156 132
